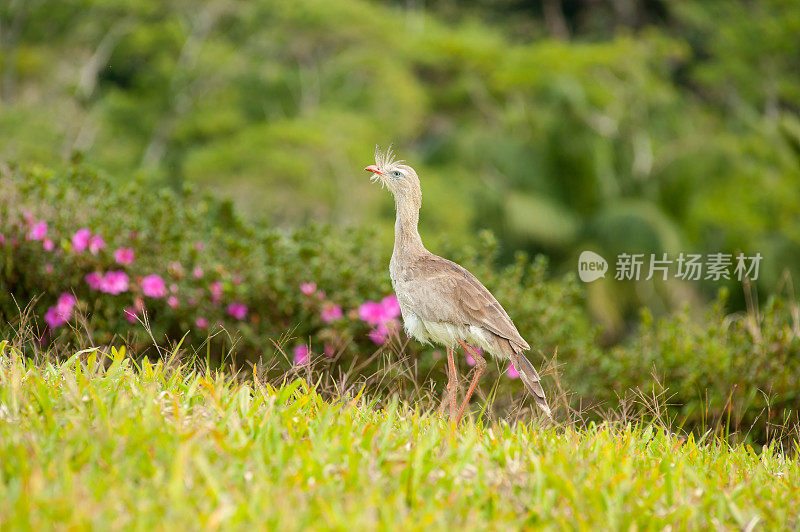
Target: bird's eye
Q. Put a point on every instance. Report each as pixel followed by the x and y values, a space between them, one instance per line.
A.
pixel 397 175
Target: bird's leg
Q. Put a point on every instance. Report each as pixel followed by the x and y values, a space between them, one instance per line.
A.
pixel 480 365
pixel 452 383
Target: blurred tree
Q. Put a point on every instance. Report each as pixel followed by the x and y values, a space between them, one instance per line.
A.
pixel 559 124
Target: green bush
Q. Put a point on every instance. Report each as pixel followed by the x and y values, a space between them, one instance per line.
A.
pixel 739 370
pixel 261 270
pixel 676 132
pixel 712 367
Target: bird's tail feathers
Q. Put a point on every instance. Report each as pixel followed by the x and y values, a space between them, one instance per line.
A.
pixel 531 380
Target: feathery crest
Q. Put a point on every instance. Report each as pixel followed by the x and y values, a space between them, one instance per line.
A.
pixel 385 160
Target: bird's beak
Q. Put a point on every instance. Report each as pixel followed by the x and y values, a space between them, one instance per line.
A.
pixel 374 169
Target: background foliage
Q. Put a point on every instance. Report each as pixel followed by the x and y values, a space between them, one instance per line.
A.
pixel 714 370
pixel 559 124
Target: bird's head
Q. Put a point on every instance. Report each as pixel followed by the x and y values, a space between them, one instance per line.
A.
pixel 399 178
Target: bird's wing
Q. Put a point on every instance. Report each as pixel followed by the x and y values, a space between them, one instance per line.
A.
pixel 441 290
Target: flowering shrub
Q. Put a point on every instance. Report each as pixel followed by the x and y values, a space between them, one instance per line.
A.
pixel 111 255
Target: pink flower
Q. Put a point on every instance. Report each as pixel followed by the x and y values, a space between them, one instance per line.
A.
pixel 66 302
pixel 173 288
pixel 54 318
pixel 470 360
pixel 96 243
pixel 382 316
pixel 378 336
pixel 94 280
pixel 124 256
pixel 216 291
pixel 153 286
pixel 237 310
pixel 80 240
pixel 48 245
pixel 381 333
pixel 114 282
pixel 391 308
pixel 301 355
pixel 2 239
pixel 199 246
pixel 130 314
pixel 329 350
pixel 308 288
pixel 172 301
pixel 61 312
pixel 197 273
pixel 48 269
pixel 38 231
pixel 331 312
pixel 511 372
pixel 371 313
pixel 201 323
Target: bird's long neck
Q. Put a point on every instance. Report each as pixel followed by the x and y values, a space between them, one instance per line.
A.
pixel 406 236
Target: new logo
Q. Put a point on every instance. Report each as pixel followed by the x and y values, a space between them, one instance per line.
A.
pixel 591 266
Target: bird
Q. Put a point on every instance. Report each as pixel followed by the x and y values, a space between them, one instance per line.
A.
pixel 440 301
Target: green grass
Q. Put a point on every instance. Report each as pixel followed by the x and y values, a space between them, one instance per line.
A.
pixel 101 441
